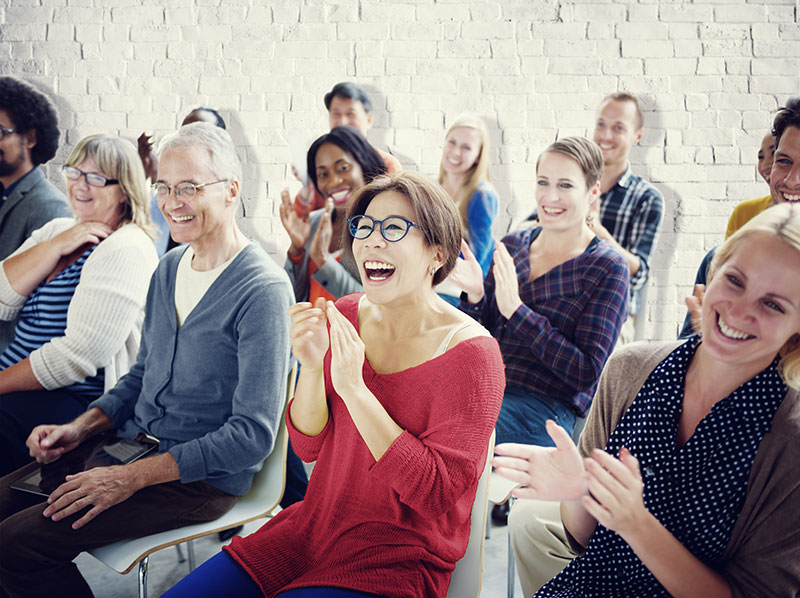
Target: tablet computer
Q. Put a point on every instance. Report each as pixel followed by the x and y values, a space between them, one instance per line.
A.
pixel 101 450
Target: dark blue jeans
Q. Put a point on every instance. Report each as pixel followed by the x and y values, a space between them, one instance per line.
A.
pixel 21 412
pixel 523 415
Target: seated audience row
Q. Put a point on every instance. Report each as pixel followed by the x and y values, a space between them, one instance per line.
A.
pixel 209 383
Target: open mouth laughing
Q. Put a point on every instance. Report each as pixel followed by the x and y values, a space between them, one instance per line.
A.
pixel 378 271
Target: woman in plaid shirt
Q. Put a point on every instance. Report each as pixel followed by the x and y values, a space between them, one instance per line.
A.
pixel 555 298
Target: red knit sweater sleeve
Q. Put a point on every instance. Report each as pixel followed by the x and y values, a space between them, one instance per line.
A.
pixel 306 447
pixel 430 472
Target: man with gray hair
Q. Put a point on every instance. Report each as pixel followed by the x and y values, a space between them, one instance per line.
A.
pixel 209 383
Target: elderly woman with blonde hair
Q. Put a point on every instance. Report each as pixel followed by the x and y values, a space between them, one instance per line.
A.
pixel 78 286
pixel 685 479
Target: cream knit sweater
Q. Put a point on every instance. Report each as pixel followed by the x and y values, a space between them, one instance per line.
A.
pixel 104 319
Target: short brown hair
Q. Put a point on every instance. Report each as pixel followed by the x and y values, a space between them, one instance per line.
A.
pixel 624 96
pixel 435 214
pixel 584 151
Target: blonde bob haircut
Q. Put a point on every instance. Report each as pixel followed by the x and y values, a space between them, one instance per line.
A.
pixel 117 159
pixel 480 172
pixel 781 221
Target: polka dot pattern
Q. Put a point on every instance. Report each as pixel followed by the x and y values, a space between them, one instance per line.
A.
pixel 696 491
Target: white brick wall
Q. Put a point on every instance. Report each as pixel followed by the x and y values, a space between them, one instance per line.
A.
pixel 709 73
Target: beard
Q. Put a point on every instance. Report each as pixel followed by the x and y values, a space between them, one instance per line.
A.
pixel 9 168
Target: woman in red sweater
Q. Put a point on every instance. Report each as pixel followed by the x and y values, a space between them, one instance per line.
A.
pixel 397 398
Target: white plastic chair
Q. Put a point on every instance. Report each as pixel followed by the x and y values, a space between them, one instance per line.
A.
pixel 499 492
pixel 260 501
pixel 468 575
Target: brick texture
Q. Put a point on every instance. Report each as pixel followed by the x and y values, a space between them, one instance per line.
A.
pixel 710 73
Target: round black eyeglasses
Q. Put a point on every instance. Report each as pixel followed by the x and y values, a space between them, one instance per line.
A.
pixel 393 228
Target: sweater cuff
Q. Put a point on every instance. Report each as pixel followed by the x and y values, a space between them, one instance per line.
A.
pixel 191 463
pixel 11 302
pixel 296 259
pixel 44 376
pixel 306 447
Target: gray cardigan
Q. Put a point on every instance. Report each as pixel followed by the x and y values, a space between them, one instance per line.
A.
pixel 337 278
pixel 213 390
pixel 762 558
pixel 32 203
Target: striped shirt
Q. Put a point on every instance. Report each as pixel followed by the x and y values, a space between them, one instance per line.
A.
pixel 44 317
pixel 558 340
pixel 632 211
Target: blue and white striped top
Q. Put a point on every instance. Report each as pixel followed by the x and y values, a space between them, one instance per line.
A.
pixel 44 317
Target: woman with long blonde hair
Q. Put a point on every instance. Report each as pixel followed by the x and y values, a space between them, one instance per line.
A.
pixel 684 482
pixel 465 174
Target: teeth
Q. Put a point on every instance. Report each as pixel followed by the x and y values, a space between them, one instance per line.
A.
pixel 552 210
pixel 182 218
pixel 454 162
pixel 378 266
pixel 731 332
pixel 340 195
pixel 793 197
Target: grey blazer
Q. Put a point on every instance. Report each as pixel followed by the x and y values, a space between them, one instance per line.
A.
pixel 34 202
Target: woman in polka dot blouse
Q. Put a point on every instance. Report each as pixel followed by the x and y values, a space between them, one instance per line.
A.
pixel 697 490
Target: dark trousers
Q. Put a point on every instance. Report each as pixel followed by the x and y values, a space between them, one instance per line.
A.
pixel 36 552
pixel 21 412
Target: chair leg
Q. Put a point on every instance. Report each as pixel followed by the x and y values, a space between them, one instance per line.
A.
pixel 511 562
pixel 190 550
pixel 181 558
pixel 143 577
pixel 489 521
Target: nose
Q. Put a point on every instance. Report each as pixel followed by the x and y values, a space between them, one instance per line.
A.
pixel 739 310
pixel 793 177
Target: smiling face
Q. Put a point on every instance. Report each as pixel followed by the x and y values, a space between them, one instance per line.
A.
pixel 339 174
pixel 462 148
pixel 766 153
pixel 95 204
pixel 616 131
pixel 561 194
pixel 347 111
pixel 392 271
pixel 752 305
pixel 204 217
pixel 784 180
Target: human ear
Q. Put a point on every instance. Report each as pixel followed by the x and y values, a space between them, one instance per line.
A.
pixel 233 191
pixel 30 139
pixel 639 134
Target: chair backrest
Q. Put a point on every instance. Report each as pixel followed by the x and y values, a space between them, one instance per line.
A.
pixel 468 574
pixel 264 495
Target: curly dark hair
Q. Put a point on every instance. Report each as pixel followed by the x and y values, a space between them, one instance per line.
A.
pixel 30 109
pixel 352 141
pixel 788 116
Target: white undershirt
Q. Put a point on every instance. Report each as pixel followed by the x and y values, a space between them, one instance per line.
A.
pixel 191 285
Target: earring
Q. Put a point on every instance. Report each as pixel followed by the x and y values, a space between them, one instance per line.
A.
pixel 431 271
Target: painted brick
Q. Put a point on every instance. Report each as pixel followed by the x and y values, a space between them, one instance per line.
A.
pixel 694 13
pixel 740 13
pixel 600 30
pixel 647 49
pixel 650 31
pixel 638 13
pixel 670 66
pixel 683 31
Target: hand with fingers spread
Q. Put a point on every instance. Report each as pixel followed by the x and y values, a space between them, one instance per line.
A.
pixel 46 443
pixel 546 473
pixel 615 496
pixel 100 488
pixel 347 355
pixel 319 249
pixel 309 333
pixel 694 304
pixel 298 228
pixel 506 291
pixel 468 275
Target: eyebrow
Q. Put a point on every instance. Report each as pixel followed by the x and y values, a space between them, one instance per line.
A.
pixel 770 295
